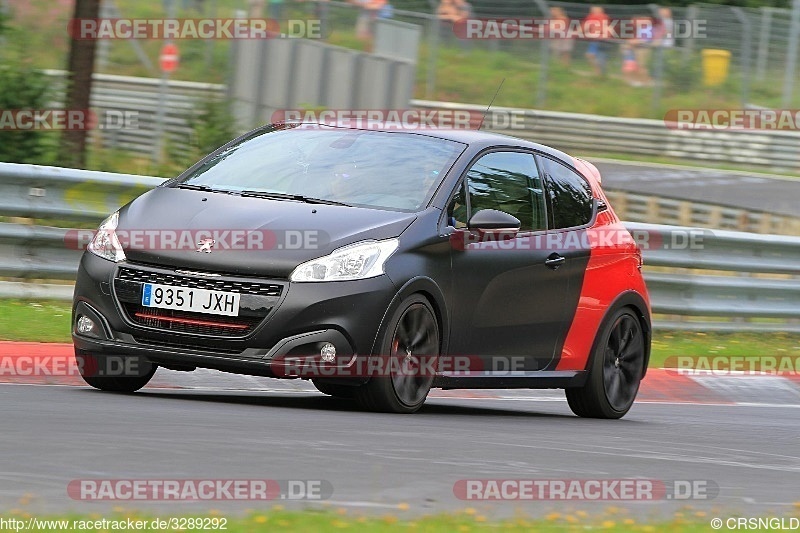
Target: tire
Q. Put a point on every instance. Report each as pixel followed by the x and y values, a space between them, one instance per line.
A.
pixel 91 370
pixel 411 342
pixel 337 391
pixel 615 370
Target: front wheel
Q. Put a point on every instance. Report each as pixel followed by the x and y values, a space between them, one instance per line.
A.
pixel 115 374
pixel 409 351
pixel 615 372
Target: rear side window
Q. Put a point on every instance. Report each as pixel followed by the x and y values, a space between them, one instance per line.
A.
pixel 569 195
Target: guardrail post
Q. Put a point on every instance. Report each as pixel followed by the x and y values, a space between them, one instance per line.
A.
pixel 433 52
pixel 791 56
pixel 544 58
pixel 763 42
pixel 744 20
pixel 688 49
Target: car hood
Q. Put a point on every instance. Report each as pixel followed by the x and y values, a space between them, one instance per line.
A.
pixel 253 236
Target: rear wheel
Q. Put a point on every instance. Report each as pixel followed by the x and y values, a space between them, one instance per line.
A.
pixel 615 371
pixel 123 374
pixel 335 390
pixel 410 348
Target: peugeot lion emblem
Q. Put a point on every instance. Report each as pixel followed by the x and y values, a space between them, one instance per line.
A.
pixel 205 245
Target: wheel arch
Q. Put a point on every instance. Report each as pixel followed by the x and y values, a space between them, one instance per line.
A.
pixel 431 291
pixel 637 303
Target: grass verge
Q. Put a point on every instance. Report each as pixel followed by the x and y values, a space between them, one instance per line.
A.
pixel 468 520
pixel 34 321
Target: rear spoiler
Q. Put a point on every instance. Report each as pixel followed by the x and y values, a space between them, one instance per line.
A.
pixel 588 169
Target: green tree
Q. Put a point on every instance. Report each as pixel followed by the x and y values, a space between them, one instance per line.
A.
pixel 21 88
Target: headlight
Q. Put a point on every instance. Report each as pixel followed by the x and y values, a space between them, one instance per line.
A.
pixel 105 243
pixel 356 261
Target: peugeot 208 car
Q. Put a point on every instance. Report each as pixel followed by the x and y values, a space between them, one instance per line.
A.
pixel 378 264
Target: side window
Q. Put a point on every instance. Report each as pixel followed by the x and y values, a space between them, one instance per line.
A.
pixel 570 196
pixel 508 182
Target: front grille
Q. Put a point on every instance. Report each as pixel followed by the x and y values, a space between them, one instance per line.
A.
pixel 257 301
pixel 196 323
pixel 215 284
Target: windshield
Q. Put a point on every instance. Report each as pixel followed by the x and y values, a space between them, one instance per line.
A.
pixel 391 170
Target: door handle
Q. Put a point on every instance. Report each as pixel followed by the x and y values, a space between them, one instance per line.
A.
pixel 555 260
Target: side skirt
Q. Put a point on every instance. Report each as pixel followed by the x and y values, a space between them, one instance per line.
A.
pixel 543 379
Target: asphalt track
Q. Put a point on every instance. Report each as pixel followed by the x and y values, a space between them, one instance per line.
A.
pixel 750 190
pixel 52 434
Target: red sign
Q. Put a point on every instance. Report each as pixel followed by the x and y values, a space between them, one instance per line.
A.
pixel 169 57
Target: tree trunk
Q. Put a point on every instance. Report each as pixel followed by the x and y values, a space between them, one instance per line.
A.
pixel 79 86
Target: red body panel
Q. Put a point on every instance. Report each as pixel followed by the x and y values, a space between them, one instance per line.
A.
pixel 613 269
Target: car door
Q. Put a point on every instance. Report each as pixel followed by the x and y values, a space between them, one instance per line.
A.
pixel 571 210
pixel 507 296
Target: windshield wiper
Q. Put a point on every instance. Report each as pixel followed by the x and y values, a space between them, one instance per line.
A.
pixel 294 197
pixel 204 188
pixel 195 187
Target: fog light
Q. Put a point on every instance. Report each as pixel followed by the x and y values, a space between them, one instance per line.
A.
pixel 328 352
pixel 86 326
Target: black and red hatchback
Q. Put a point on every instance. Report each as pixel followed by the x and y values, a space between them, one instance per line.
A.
pixel 377 263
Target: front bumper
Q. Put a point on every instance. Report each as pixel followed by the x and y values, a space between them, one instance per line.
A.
pixel 294 323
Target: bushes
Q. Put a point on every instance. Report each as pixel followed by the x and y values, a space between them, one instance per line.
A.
pixel 213 126
pixel 21 87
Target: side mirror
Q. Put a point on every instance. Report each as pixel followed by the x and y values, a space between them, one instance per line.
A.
pixel 493 220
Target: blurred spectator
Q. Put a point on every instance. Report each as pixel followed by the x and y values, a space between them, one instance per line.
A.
pixel 451 11
pixel 465 8
pixel 370 9
pixel 664 28
pixel 663 38
pixel 387 11
pixel 636 53
pixel 562 47
pixel 596 27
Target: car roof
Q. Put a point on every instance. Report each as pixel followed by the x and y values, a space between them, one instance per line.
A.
pixel 478 139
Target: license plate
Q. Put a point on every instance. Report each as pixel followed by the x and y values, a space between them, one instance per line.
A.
pixel 194 300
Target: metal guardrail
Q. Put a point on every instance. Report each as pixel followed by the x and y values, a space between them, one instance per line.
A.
pixel 636 207
pixel 567 131
pixel 34 191
pixel 724 280
pixel 131 94
pixel 644 137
